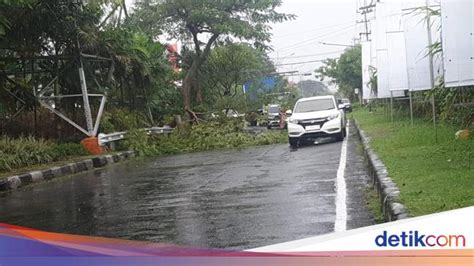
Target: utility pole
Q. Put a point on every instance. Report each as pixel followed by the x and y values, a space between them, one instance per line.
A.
pixel 364 10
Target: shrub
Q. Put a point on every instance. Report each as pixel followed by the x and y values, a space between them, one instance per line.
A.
pixel 27 151
pixel 64 150
pixel 120 120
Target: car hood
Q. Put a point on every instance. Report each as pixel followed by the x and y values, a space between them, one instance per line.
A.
pixel 313 115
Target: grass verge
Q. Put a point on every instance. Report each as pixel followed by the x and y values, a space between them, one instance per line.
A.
pixel 432 176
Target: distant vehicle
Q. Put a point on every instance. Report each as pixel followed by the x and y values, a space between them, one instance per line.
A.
pixel 273 116
pixel 316 117
pixel 346 105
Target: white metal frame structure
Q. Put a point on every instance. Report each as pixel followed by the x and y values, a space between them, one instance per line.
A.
pixel 47 93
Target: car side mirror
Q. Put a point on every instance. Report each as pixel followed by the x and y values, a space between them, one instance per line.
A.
pixel 288 112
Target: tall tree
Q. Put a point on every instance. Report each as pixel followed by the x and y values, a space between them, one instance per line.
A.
pixel 345 72
pixel 5 5
pixel 230 66
pixel 211 20
pixel 311 88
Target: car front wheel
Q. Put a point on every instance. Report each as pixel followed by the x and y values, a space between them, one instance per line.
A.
pixel 293 142
pixel 340 136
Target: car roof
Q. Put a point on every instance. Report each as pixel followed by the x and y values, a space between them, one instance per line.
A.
pixel 316 98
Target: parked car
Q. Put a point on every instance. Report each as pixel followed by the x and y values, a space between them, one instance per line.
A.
pixel 273 116
pixel 346 104
pixel 316 117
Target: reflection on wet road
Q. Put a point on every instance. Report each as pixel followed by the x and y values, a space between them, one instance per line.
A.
pixel 223 199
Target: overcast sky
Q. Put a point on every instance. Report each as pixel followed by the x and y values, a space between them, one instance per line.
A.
pixel 328 21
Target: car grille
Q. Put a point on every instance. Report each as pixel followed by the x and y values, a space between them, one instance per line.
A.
pixel 312 122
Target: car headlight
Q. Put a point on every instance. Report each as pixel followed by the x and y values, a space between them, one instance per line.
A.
pixel 293 120
pixel 331 117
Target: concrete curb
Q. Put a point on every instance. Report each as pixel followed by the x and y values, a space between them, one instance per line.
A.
pixel 17 181
pixel 387 190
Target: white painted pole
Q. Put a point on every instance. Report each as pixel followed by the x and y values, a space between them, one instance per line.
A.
pixel 411 107
pixel 391 105
pixel 85 98
pixel 430 42
pixel 99 115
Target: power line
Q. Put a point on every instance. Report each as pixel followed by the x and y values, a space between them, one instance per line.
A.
pixel 314 38
pixel 317 37
pixel 312 30
pixel 337 44
pixel 305 62
pixel 308 55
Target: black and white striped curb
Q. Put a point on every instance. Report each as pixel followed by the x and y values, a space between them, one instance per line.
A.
pixel 17 181
pixel 387 190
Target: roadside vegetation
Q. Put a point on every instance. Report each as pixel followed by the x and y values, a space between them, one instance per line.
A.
pixel 148 82
pixel 28 151
pixel 125 60
pixel 432 176
pixel 223 133
pixel 217 134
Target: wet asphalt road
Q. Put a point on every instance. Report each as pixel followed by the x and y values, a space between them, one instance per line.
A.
pixel 222 199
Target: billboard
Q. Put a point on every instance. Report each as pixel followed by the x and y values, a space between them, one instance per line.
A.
pixel 390 49
pixel 397 65
pixel 373 45
pixel 417 45
pixel 457 21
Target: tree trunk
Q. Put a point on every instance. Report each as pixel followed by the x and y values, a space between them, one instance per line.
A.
pixel 190 79
pixel 186 90
pixel 198 88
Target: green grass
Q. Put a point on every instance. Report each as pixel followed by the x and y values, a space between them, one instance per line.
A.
pixel 432 176
pixel 373 203
pixel 29 151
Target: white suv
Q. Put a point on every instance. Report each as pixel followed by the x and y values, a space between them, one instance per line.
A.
pixel 316 117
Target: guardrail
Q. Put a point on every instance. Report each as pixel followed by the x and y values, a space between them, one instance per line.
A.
pixel 116 136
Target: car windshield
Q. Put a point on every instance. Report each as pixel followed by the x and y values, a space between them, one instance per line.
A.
pixel 274 109
pixel 345 100
pixel 314 105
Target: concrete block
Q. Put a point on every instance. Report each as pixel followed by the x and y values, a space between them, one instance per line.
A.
pixel 14 182
pixel 36 176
